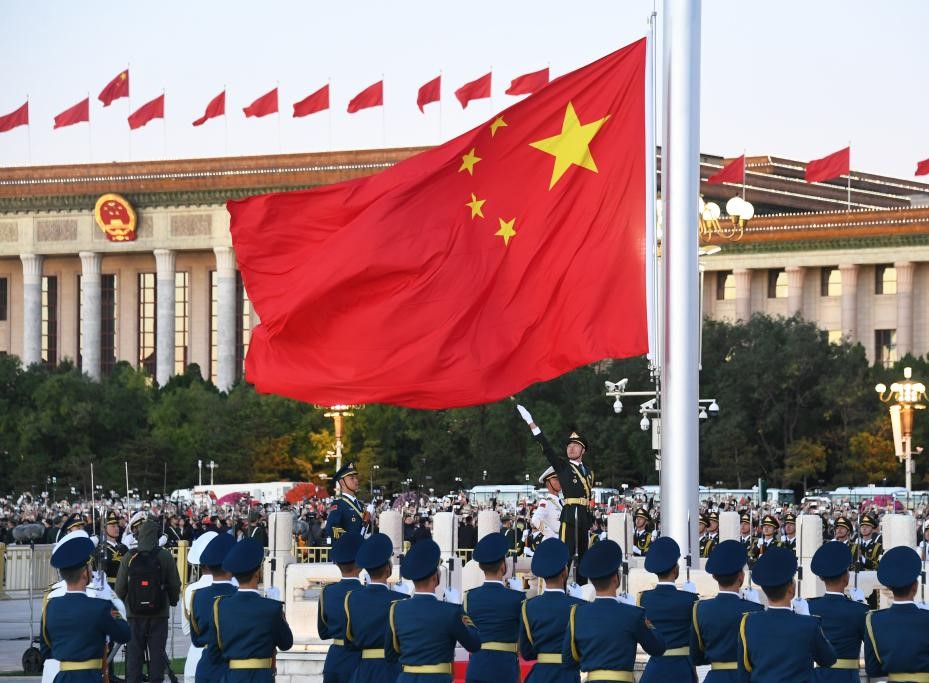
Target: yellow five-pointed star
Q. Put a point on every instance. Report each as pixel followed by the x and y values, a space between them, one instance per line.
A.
pixel 476 206
pixel 572 145
pixel 506 231
pixel 468 161
pixel 498 123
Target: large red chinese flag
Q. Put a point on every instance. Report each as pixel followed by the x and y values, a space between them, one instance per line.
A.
pixel 528 83
pixel 829 167
pixel 118 87
pixel 79 113
pixel 147 112
pixel 264 105
pixel 430 92
pixel 372 96
pixel 507 256
pixel 311 104
pixel 475 90
pixel 15 119
pixel 733 172
pixel 216 108
pixel 922 167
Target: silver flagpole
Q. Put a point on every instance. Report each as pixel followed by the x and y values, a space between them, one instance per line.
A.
pixel 680 179
pixel 652 285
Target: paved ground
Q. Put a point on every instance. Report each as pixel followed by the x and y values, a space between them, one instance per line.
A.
pixel 14 633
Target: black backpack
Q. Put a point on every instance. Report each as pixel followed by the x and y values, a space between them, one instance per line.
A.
pixel 146 594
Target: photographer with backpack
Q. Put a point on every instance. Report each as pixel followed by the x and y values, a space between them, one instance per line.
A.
pixel 149 584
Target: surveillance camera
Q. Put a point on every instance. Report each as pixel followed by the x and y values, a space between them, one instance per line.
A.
pixel 617 406
pixel 702 414
pixel 714 408
pixel 644 424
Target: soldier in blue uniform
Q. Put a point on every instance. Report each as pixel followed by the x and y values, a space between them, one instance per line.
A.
pixel 896 645
pixel 843 620
pixel 421 632
pixel 211 667
pixel 778 645
pixel 366 611
pixel 495 609
pixel 247 628
pixel 545 618
pixel 602 635
pixel 75 626
pixel 342 658
pixel 671 612
pixel 346 512
pixel 714 633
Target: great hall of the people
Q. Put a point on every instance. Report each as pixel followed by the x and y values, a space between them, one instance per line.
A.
pixel 133 261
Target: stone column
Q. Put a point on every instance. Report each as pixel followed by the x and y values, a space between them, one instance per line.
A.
pixel 795 289
pixel 91 313
pixel 743 293
pixel 729 526
pixel 226 319
pixel 488 522
pixel 849 301
pixel 164 343
pixel 32 308
pixel 904 307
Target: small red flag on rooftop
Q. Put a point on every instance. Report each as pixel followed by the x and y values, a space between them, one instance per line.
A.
pixel 118 87
pixel 429 92
pixel 528 83
pixel 311 104
pixel 216 107
pixel 477 89
pixel 14 119
pixel 733 172
pixel 922 168
pixel 829 167
pixel 372 96
pixel 148 112
pixel 79 113
pixel 264 105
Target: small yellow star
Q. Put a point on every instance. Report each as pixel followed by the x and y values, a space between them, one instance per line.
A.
pixel 571 147
pixel 506 231
pixel 498 123
pixel 476 206
pixel 468 161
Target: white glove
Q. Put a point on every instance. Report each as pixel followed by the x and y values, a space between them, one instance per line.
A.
pixel 627 599
pixel 856 594
pixel 575 591
pixel 162 540
pixel 404 587
pixel 801 606
pixel 273 593
pixel 690 587
pixel 94 540
pixel 515 583
pixel 523 413
pixel 751 595
pixel 103 592
pixel 453 596
pixel 922 605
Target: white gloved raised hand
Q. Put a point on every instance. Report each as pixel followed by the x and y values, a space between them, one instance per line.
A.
pixel 515 583
pixel 575 591
pixel 162 540
pixel 523 413
pixel 800 606
pixel 922 605
pixel 751 595
pixel 856 594
pixel 404 586
pixel 690 587
pixel 453 596
pixel 627 599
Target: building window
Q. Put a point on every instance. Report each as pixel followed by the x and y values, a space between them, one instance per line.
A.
pixel 835 336
pixel 885 347
pixel 725 285
pixel 243 333
pixel 214 326
pixel 181 321
pixel 50 320
pixel 885 280
pixel 830 283
pixel 108 293
pixel 3 298
pixel 148 322
pixel 777 283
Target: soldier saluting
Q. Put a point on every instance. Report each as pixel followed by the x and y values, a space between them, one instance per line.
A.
pixel 576 480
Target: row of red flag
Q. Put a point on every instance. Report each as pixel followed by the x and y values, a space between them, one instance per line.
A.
pixel 831 166
pixel 372 96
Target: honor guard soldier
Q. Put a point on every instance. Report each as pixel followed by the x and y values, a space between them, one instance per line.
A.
pixel 576 480
pixel 843 534
pixel 670 610
pixel 248 628
pixel 778 645
pixel 703 521
pixel 642 535
pixel 342 658
pixel 603 635
pixel 870 545
pixel 546 520
pixel 74 522
pixel 211 667
pixel 75 626
pixel 495 610
pixel 896 645
pixel 789 539
pixel 367 609
pixel 545 618
pixel 421 632
pixel 346 513
pixel 714 634
pixel 111 551
pixel 842 620
pixel 712 531
pixel 768 540
pixel 746 537
pixel 194 652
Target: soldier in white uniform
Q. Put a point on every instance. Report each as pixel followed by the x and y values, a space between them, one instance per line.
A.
pixel 193 557
pixel 546 519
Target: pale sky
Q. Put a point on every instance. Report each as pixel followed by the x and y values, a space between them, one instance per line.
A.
pixel 795 78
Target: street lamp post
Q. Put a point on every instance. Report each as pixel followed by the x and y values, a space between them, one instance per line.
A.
pixel 212 465
pixel 338 413
pixel 374 469
pixel 905 397
pixel 200 473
